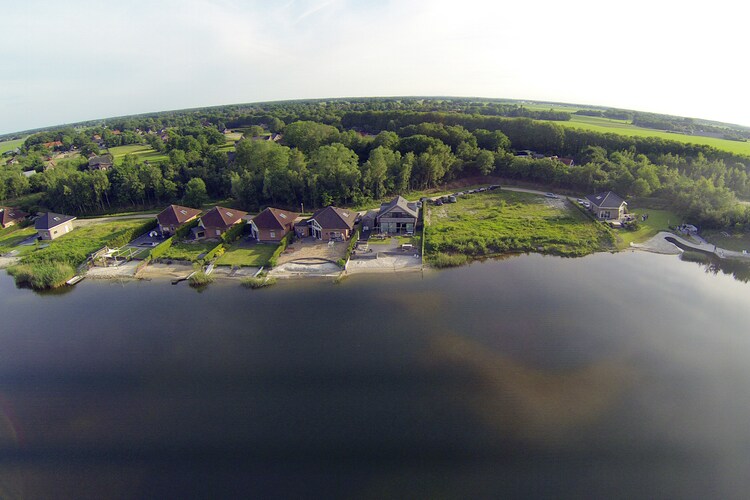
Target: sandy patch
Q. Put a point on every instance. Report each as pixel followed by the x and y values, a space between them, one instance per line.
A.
pixel 8 261
pixel 165 271
pixel 305 269
pixel 385 264
pixel 126 270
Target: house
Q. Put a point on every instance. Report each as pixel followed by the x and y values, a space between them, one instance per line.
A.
pixel 607 205
pixel 11 216
pixel 567 161
pixel 397 216
pixel 216 222
pixel 329 223
pixel 272 224
pixel 51 225
pixel 173 217
pixel 53 144
pixel 103 162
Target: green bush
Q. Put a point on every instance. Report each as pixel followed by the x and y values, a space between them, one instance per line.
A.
pixel 200 279
pixel 217 251
pixel 183 230
pixel 258 282
pixel 448 260
pixel 42 275
pixel 162 248
pixel 234 232
pixel 273 260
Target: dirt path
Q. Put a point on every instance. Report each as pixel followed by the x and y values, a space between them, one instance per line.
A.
pixel 102 220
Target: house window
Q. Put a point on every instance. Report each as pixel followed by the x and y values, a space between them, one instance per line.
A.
pixel 273 234
pixel 218 232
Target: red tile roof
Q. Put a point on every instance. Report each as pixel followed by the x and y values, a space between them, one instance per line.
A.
pixel 222 217
pixel 274 218
pixel 9 215
pixel 174 215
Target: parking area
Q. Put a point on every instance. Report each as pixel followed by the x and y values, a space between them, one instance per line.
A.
pixel 147 240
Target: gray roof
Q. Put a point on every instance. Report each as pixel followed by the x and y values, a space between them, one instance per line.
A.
pixel 335 218
pixel 607 199
pixel 400 202
pixel 51 219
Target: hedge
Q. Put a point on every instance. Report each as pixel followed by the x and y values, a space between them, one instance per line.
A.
pixel 160 249
pixel 282 246
pixel 183 230
pixel 352 243
pixel 212 253
pixel 234 233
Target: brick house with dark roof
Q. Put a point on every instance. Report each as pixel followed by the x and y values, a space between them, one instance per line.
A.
pixel 173 217
pixel 329 223
pixel 272 224
pixel 217 221
pixel 11 216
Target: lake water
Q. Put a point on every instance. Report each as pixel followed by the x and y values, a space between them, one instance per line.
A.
pixel 621 375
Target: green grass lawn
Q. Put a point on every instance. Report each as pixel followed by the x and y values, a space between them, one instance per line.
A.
pixel 188 251
pixel 604 125
pixel 658 220
pixel 10 145
pixel 141 151
pixel 736 241
pixel 12 236
pixel 503 221
pixel 252 256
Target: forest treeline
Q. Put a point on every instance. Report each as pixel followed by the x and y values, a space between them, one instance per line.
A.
pixel 342 152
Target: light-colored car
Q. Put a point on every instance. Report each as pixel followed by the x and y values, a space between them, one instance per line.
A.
pixel 550 195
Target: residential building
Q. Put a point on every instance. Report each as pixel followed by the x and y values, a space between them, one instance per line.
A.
pixel 11 216
pixel 329 223
pixel 103 162
pixel 607 205
pixel 173 217
pixel 217 221
pixel 397 216
pixel 272 224
pixel 51 225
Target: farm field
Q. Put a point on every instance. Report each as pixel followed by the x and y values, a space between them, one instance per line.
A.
pixel 10 145
pixel 604 125
pixel 500 222
pixel 244 255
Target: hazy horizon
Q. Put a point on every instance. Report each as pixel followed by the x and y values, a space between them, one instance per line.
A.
pixel 88 61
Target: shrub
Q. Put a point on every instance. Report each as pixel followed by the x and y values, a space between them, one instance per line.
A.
pixel 160 249
pixel 273 260
pixel 258 282
pixel 217 251
pixel 233 233
pixel 200 279
pixel 42 275
pixel 448 260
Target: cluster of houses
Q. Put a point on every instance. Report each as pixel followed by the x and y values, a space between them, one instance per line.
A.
pixel 398 216
pixel 273 224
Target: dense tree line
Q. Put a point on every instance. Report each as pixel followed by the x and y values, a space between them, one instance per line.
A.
pixel 350 152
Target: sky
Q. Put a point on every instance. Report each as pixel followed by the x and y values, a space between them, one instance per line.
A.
pixel 71 61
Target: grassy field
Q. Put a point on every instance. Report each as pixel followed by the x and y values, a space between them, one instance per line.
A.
pixel 658 220
pixel 10 145
pixel 141 151
pixel 604 125
pixel 499 222
pixel 188 251
pixel 735 241
pixel 253 256
pixel 12 236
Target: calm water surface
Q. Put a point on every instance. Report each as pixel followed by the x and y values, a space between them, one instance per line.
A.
pixel 610 376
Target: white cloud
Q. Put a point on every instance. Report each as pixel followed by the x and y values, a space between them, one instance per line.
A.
pixel 92 60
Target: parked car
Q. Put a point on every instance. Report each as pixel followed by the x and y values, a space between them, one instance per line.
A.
pixel 550 195
pixel 451 199
pixel 580 201
pixel 438 202
pixel 481 190
pixel 493 187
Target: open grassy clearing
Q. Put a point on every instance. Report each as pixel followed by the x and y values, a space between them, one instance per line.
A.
pixel 247 256
pixel 188 251
pixel 141 151
pixel 736 241
pixel 622 127
pixel 498 222
pixel 10 145
pixel 658 220
pixel 12 236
